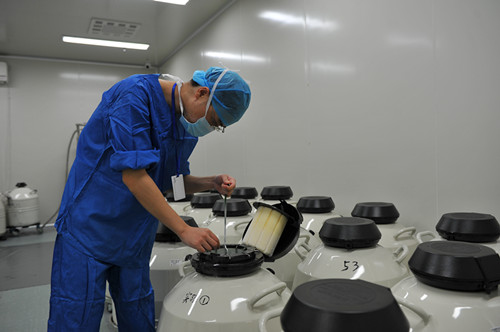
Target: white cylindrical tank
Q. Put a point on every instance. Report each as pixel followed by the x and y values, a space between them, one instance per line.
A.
pixel 470 227
pixel 229 290
pixel 168 252
pixel 22 206
pixel 350 251
pixel 285 267
pixel 226 293
pixel 315 210
pixel 3 218
pixel 394 234
pixel 200 207
pixel 179 206
pixel 340 305
pixel 454 287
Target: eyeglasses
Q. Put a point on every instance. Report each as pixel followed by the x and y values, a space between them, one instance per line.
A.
pixel 219 129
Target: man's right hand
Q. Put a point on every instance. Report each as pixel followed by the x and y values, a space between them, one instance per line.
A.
pixel 201 239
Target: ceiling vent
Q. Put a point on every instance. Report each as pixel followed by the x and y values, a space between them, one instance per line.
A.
pixel 109 28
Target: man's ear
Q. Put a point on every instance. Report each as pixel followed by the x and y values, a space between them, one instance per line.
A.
pixel 202 92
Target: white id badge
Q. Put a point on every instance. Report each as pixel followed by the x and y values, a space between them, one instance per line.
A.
pixel 178 187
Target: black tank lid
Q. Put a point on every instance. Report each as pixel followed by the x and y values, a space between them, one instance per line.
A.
pixel 380 212
pixel 170 197
pixel 276 193
pixel 343 305
pixel 245 192
pixel 205 200
pixel 468 227
pixel 349 233
pixel 237 260
pixel 235 207
pixel 240 259
pixel 454 265
pixel 164 234
pixel 315 204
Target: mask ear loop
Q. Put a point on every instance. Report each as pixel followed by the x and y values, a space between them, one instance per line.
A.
pixel 213 90
pixel 226 67
pixel 172 77
pixel 179 83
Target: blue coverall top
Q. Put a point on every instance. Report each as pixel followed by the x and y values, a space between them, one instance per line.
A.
pixel 132 128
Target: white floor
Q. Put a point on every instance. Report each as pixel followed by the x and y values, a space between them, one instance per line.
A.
pixel 25 263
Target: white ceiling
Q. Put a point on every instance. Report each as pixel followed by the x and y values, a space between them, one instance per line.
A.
pixel 34 28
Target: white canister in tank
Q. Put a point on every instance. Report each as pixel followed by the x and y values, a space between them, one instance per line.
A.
pixel 237 211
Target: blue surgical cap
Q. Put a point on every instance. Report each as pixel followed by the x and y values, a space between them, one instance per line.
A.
pixel 232 94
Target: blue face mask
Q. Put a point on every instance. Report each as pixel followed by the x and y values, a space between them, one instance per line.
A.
pixel 201 127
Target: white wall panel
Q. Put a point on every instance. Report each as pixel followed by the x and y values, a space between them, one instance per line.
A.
pixel 45 101
pixel 4 136
pixel 374 62
pixel 360 100
pixel 468 105
pixel 384 100
pixel 276 135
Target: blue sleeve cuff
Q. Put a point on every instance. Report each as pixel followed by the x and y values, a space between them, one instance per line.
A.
pixel 121 160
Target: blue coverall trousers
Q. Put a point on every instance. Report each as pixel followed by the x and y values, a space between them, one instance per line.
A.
pixel 78 289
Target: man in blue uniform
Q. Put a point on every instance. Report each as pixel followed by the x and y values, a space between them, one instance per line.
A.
pixel 135 146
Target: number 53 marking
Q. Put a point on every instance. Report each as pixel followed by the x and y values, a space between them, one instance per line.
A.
pixel 350 265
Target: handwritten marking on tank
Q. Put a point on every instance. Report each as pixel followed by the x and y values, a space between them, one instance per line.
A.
pixel 350 265
pixel 189 297
pixel 204 299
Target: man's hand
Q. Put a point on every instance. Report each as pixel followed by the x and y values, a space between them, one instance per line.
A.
pixel 224 184
pixel 201 239
pixel 147 193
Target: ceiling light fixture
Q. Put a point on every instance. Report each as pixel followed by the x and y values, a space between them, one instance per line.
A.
pixel 175 2
pixel 102 42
